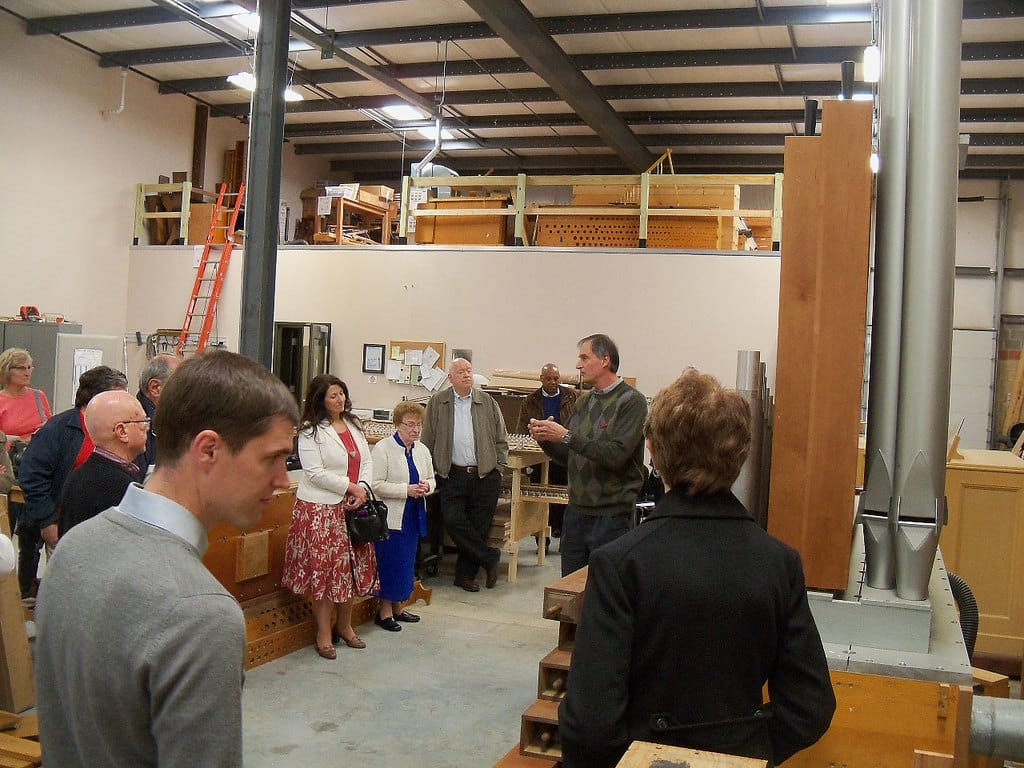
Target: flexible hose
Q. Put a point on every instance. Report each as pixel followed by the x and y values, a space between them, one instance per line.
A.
pixel 968 607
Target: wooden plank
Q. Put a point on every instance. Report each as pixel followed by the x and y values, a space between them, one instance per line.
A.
pixel 923 759
pixel 21 748
pixel 822 318
pixel 7 761
pixel 513 759
pixel 644 754
pixel 17 686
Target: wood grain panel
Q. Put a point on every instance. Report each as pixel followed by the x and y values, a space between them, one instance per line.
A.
pixel 822 315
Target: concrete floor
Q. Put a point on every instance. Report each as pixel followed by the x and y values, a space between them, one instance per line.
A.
pixel 449 690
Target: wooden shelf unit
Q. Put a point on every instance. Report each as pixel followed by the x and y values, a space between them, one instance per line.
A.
pixel 342 211
pixel 653 198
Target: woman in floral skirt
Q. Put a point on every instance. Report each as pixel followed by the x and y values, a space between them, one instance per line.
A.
pixel 320 560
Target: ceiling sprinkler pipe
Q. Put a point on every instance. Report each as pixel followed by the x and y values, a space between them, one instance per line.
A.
pixel 120 107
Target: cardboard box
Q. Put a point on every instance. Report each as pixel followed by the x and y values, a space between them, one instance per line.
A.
pixel 199 219
pixel 376 194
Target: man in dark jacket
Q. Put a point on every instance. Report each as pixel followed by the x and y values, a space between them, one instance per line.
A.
pixel 59 446
pixel 690 615
pixel 550 400
pixel 118 426
pixel 152 379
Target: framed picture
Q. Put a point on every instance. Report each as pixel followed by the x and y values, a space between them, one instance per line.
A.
pixel 373 358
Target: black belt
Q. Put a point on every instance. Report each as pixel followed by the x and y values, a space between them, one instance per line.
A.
pixel 470 470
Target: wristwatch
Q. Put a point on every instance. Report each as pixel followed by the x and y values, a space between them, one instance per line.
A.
pixel 566 437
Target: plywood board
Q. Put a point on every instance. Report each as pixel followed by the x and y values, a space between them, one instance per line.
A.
pixel 822 319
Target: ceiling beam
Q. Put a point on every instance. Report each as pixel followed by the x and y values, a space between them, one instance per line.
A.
pixel 553 25
pixel 796 89
pixel 666 117
pixel 659 141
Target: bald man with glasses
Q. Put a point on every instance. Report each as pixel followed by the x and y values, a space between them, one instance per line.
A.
pixel 119 428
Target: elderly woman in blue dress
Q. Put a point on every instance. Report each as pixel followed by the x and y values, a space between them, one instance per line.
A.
pixel 403 474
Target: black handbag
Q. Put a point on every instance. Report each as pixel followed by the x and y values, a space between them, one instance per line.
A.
pixel 368 523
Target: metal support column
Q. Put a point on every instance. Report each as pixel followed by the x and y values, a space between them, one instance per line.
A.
pixel 925 350
pixel 263 187
pixel 876 508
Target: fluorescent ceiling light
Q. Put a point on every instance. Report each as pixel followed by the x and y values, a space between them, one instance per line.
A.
pixel 863 96
pixel 246 80
pixel 403 112
pixel 872 67
pixel 430 132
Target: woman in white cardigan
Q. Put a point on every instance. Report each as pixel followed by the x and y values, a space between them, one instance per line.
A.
pixel 319 559
pixel 403 474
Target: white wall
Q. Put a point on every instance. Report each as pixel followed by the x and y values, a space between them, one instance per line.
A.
pixel 665 310
pixel 69 173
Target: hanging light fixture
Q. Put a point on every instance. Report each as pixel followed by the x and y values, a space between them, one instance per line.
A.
pixel 246 80
pixel 872 64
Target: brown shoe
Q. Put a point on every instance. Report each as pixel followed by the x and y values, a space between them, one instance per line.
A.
pixel 352 642
pixel 326 652
pixel 466 584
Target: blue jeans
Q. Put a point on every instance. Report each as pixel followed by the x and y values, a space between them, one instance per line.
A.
pixel 583 533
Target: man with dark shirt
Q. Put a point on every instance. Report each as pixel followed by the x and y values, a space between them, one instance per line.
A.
pixel 151 383
pixel 118 426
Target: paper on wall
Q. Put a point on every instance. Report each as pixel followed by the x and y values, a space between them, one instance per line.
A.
pixel 430 357
pixel 393 370
pixel 433 378
pixel 413 357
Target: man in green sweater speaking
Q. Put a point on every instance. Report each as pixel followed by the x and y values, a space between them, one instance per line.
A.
pixel 602 446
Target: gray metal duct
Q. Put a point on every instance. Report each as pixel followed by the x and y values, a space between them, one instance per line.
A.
pixel 516 26
pixel 747 486
pixel 927 323
pixel 876 510
pixel 997 727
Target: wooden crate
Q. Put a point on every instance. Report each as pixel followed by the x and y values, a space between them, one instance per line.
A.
pixel 513 759
pixel 463 230
pixel 600 231
pixel 563 599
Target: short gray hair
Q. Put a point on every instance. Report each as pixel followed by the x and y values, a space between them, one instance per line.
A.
pixel 158 368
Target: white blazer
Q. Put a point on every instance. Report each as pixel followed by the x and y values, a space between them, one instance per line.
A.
pixel 391 475
pixel 325 463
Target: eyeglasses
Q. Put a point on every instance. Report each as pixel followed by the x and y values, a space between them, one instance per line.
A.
pixel 22 367
pixel 134 421
pixel 412 424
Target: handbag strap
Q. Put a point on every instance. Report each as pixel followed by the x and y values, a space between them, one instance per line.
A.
pixel 39 405
pixel 369 491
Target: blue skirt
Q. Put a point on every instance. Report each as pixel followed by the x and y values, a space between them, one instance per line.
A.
pixel 396 560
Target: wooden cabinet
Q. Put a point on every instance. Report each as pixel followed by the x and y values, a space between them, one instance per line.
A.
pixel 984 543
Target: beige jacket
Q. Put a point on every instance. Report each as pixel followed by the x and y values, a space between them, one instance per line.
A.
pixel 391 475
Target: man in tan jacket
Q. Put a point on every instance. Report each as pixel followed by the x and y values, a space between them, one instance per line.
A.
pixel 465 433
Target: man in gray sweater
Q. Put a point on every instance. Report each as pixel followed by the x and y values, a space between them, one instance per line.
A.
pixel 602 446
pixel 139 650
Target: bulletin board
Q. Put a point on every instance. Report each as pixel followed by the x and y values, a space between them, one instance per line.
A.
pixel 406 363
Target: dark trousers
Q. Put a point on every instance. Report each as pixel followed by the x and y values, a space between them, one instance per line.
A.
pixel 30 544
pixel 467 503
pixel 583 533
pixel 557 475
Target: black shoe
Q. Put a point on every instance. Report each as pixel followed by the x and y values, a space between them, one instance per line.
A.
pixel 466 584
pixel 408 616
pixel 556 533
pixel 492 576
pixel 389 623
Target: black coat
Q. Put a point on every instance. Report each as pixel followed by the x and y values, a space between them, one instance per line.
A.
pixel 95 486
pixel 684 621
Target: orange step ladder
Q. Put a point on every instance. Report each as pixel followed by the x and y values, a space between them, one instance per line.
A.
pixel 202 306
